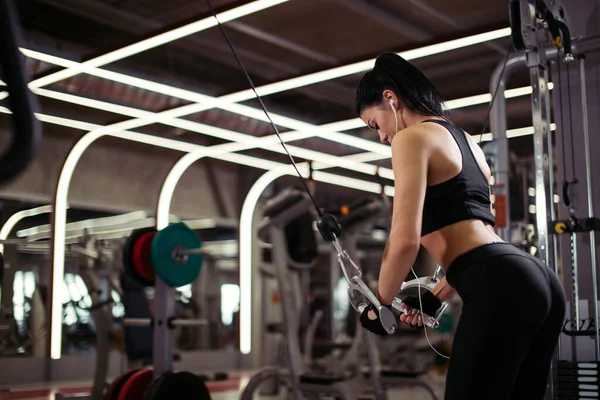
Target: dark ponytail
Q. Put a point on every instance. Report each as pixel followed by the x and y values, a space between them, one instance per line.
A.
pixel 392 72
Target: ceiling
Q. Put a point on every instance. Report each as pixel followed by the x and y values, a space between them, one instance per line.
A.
pixel 285 41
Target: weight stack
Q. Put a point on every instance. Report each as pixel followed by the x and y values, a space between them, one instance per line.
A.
pixel 577 380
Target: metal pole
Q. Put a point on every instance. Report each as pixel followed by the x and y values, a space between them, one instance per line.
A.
pixel 290 311
pixel 164 308
pixel 553 251
pixel 541 126
pixel 588 176
pixel 553 209
pixel 498 127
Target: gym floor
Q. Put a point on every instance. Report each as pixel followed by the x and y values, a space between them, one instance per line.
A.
pixel 221 390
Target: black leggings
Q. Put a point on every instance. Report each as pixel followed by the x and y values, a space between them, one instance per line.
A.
pixel 513 310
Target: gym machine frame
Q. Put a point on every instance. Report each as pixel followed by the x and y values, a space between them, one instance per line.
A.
pixel 531 20
pixel 287 206
pixel 534 57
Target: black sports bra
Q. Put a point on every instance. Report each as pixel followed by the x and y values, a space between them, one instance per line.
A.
pixel 463 197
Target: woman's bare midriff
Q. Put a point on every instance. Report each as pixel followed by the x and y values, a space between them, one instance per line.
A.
pixel 451 241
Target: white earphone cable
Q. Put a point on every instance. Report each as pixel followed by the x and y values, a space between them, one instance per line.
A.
pixel 395 115
pixel 421 316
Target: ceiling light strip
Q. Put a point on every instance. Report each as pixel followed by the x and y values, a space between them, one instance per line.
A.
pixel 158 40
pixel 270 143
pixel 362 66
pixel 298 125
pixel 199 105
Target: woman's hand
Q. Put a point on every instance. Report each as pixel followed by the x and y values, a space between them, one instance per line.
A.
pixel 369 319
pixel 413 305
pixel 411 316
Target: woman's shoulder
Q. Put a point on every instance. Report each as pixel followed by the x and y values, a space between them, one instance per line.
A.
pixel 426 132
pixel 415 138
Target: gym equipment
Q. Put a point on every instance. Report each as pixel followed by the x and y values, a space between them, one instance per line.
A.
pixel 138 339
pixel 575 226
pixel 136 385
pixel 89 263
pixel 27 129
pixel 175 254
pixel 278 212
pixel 177 385
pixel 142 261
pixel 360 294
pixel 142 272
pixel 575 380
pixel 112 392
pixel 354 222
pixel 531 21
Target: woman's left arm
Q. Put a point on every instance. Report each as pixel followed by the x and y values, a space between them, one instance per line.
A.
pixel 410 159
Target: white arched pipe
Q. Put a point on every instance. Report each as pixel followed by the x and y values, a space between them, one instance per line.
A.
pixel 245 255
pixel 14 219
pixel 59 214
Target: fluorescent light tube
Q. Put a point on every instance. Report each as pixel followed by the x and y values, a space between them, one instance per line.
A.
pixel 158 40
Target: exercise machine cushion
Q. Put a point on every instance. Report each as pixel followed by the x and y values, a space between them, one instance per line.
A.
pixel 320 379
pixel 282 202
pixel 363 213
pixel 301 240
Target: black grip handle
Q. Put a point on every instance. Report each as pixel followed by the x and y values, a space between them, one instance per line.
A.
pixel 27 130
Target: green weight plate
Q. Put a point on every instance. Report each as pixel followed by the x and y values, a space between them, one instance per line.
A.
pixel 446 324
pixel 128 264
pixel 176 273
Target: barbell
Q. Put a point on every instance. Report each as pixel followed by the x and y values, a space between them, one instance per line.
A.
pixel 174 254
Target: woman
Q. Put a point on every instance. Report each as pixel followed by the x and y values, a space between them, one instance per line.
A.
pixel 513 304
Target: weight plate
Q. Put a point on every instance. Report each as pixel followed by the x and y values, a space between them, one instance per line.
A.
pixel 178 385
pixel 142 257
pixel 115 387
pixel 446 324
pixel 176 273
pixel 135 387
pixel 151 390
pixel 128 256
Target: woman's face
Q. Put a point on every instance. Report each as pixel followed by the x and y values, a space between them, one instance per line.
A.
pixel 381 119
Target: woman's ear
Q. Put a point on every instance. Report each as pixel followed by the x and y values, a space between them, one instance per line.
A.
pixel 389 96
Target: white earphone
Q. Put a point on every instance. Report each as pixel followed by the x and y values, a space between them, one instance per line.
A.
pixel 395 115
